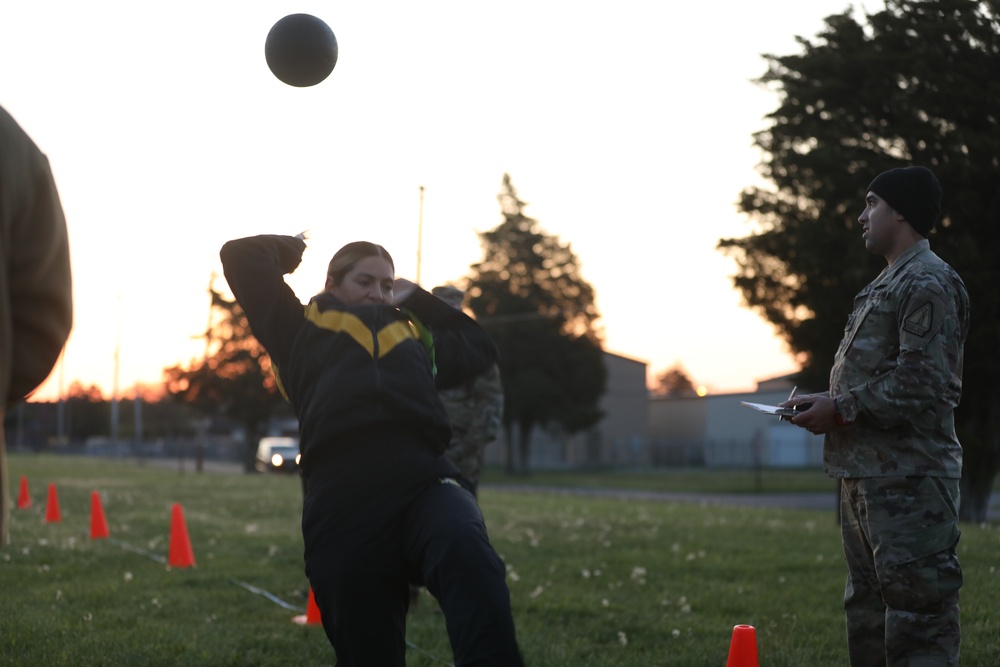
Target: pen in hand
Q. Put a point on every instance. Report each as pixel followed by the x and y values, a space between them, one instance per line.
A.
pixel 790 397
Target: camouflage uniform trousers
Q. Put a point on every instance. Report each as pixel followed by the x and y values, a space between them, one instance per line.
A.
pixel 4 503
pixel 901 598
pixel 475 410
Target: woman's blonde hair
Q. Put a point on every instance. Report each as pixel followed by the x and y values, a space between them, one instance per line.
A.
pixel 345 258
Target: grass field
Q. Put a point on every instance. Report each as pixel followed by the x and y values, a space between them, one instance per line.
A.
pixel 690 480
pixel 594 581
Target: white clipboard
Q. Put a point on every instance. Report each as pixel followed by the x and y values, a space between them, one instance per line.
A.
pixel 770 409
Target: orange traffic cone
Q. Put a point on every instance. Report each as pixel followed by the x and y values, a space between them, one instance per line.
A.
pixel 181 554
pixel 743 648
pixel 98 523
pixel 312 610
pixel 52 514
pixel 24 498
pixel 312 615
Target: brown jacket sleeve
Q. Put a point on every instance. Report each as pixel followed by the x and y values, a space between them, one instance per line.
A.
pixel 36 300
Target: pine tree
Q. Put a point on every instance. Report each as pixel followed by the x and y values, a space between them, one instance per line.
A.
pixel 529 294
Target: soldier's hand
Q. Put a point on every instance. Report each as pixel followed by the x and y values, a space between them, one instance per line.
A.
pixel 819 418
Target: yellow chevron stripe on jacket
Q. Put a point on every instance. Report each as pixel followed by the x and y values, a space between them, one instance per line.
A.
pixel 339 321
pixel 277 379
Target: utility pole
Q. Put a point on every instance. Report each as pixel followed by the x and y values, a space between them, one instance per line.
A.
pixel 211 301
pixel 201 436
pixel 137 418
pixel 114 387
pixel 61 438
pixel 420 232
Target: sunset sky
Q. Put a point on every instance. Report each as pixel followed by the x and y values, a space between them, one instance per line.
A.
pixel 626 126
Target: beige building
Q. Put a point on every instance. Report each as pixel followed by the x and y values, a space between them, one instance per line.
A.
pixel 619 439
pixel 643 431
pixel 716 431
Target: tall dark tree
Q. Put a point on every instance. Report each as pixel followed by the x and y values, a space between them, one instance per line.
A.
pixel 914 83
pixel 674 382
pixel 84 414
pixel 234 378
pixel 528 293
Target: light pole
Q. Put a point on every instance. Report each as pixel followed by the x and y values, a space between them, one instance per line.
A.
pixel 114 386
pixel 61 406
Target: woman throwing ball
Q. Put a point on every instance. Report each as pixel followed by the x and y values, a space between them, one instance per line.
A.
pixel 361 364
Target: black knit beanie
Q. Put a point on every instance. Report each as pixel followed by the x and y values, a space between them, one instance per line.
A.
pixel 913 192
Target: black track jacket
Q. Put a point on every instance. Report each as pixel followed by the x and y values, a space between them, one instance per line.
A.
pixel 346 369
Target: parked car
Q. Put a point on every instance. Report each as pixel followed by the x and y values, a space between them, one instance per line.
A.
pixel 278 453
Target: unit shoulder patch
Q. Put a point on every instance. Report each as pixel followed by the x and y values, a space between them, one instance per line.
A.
pixel 920 320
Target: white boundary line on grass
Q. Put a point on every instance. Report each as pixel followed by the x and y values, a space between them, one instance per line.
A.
pixel 270 596
pixel 275 599
pixel 259 591
pixel 136 550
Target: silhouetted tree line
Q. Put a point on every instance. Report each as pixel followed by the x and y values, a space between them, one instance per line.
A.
pixel 84 414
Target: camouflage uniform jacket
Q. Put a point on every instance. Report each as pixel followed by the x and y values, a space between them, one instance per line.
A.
pixel 897 375
pixel 475 409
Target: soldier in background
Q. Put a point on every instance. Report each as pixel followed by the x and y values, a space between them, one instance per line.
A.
pixel 890 434
pixel 475 409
